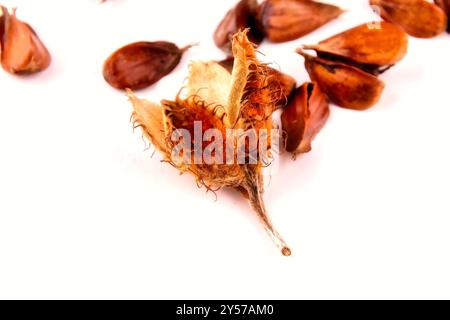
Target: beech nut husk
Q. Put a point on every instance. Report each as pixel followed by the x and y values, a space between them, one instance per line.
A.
pixel 284 82
pixel 371 48
pixel 286 20
pixel 242 16
pixel 243 100
pixel 345 85
pixel 141 64
pixel 22 52
pixel 418 18
pixel 304 116
pixel 445 5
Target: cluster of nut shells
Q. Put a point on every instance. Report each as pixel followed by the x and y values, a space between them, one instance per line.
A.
pixel 276 20
pixel 347 65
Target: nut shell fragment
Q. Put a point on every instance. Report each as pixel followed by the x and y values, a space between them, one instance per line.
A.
pixel 365 46
pixel 22 50
pixel 418 18
pixel 242 16
pixel 304 116
pixel 346 86
pixel 141 64
pixel 286 20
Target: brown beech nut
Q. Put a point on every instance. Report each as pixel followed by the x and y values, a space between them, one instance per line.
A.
pixel 418 18
pixel 286 83
pixel 345 85
pixel 445 5
pixel 286 20
pixel 242 16
pixel 141 64
pixel 22 52
pixel 372 47
pixel 304 116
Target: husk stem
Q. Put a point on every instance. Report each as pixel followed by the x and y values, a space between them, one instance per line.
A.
pixel 254 187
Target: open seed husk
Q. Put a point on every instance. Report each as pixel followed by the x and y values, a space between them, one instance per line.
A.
pixel 304 116
pixel 286 20
pixel 243 99
pixel 418 18
pixel 345 85
pixel 372 47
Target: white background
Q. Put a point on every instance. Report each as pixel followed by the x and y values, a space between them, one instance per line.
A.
pixel 85 212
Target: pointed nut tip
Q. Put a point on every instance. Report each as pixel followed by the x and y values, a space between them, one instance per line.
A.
pixel 286 252
pixel 302 53
pixel 189 46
